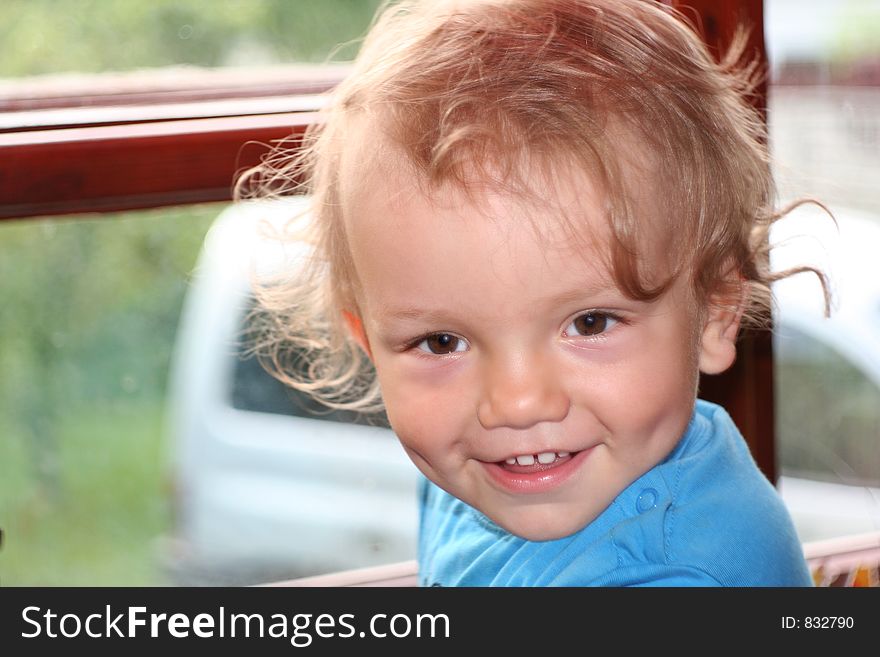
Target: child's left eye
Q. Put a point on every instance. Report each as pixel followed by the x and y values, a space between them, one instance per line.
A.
pixel 590 323
pixel 441 344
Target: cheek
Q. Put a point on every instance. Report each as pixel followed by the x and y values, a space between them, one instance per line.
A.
pixel 669 394
pixel 670 373
pixel 675 352
pixel 649 392
pixel 421 395
pixel 415 416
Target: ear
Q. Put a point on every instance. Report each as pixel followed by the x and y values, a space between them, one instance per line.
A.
pixel 356 329
pixel 718 340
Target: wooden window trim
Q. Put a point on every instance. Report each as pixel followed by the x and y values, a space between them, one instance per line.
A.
pixel 746 390
pixel 166 85
pixel 134 141
pixel 402 573
pixel 135 166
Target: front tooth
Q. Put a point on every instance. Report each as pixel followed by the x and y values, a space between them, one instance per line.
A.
pixel 546 457
pixel 510 461
pixel 526 459
pixel 563 454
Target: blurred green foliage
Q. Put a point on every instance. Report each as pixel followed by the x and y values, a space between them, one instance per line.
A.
pixel 98 524
pixel 856 34
pixel 56 36
pixel 90 312
pixel 103 291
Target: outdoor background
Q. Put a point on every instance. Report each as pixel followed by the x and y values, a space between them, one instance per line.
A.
pixel 90 307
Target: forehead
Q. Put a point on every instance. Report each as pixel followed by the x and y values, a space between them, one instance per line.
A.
pixel 475 253
pixel 561 202
pixel 567 210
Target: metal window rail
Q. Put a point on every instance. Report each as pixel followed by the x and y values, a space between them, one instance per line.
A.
pixel 851 561
pixel 845 561
pixel 403 573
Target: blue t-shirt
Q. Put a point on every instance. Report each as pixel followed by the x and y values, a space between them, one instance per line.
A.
pixel 705 516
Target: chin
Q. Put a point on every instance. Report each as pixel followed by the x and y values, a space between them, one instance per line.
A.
pixel 536 527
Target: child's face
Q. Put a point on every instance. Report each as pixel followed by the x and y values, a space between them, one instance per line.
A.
pixel 493 344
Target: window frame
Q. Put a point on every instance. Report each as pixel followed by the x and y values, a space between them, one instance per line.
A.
pixel 146 140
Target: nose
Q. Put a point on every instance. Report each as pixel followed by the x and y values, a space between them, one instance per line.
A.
pixel 521 391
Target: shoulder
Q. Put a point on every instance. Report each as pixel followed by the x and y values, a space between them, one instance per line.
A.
pixel 725 518
pixel 458 546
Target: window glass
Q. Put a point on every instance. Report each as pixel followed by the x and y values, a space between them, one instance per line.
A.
pixel 254 389
pixel 140 446
pixel 268 483
pixel 834 442
pixel 110 474
pixel 824 121
pixel 90 311
pixel 96 489
pixel 120 35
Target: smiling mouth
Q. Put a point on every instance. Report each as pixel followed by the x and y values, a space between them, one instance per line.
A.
pixel 531 463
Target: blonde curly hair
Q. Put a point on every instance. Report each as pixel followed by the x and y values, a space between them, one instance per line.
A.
pixel 482 91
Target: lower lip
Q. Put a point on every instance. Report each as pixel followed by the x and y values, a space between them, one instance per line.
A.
pixel 537 482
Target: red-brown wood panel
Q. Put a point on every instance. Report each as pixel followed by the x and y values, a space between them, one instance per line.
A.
pixel 122 167
pixel 746 390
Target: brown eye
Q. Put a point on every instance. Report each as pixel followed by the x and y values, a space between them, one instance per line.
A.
pixel 592 323
pixel 442 343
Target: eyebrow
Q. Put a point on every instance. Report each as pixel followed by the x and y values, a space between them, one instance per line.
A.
pixel 585 292
pixel 412 312
pixel 569 296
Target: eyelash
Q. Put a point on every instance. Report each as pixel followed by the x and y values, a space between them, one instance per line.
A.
pixel 603 315
pixel 415 345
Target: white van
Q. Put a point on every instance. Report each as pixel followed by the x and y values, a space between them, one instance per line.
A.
pixel 269 486
pixel 267 483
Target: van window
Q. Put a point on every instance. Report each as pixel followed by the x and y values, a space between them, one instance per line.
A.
pixel 817 438
pixel 254 389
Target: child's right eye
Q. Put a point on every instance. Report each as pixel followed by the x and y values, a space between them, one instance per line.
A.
pixel 441 344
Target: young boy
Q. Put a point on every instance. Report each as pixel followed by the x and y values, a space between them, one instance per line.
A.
pixel 539 221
